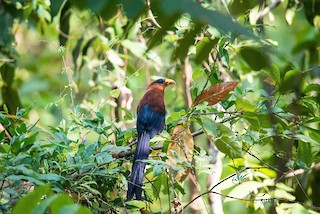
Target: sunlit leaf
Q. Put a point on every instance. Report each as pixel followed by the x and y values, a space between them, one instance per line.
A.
pixel 135 204
pixel 292 81
pixel 312 87
pixel 290 15
pixel 115 93
pixel 244 189
pixel 244 105
pixel 215 93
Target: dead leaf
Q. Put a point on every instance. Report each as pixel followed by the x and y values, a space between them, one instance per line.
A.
pixel 182 143
pixel 215 93
pixel 270 81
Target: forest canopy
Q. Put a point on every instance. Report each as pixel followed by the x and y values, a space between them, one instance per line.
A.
pixel 242 121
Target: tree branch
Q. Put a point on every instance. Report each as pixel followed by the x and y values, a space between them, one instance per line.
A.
pixel 194 134
pixel 266 10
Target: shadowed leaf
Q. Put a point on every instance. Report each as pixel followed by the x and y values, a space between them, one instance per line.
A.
pixel 215 93
pixel 29 202
pixel 223 137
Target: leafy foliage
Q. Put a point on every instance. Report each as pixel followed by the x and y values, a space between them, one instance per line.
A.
pixel 252 82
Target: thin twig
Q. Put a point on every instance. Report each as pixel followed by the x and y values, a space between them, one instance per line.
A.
pixel 266 164
pixel 266 10
pixel 151 16
pixel 10 116
pixel 2 128
pixel 298 172
pixel 220 182
pixel 222 112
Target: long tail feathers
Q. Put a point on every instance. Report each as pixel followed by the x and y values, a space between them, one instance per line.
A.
pixel 138 167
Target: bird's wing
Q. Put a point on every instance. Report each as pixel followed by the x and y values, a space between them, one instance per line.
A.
pixel 150 121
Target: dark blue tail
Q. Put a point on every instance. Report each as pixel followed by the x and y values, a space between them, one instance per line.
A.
pixel 138 167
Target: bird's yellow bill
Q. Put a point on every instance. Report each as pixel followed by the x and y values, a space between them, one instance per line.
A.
pixel 170 81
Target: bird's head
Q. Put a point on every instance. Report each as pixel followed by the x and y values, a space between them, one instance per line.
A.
pixel 161 83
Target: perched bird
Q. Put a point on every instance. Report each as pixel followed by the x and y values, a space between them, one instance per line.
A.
pixel 150 121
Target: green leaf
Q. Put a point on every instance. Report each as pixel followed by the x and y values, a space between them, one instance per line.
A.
pixel 5 121
pixel 298 109
pixel 244 105
pixel 312 87
pixel 74 209
pixel 292 81
pixel 55 7
pixel 304 153
pixel 188 39
pixel 92 190
pixel 50 177
pixel 200 15
pixel 244 189
pixel 5 108
pixel 223 137
pixel 4 148
pixel 314 134
pixel 115 93
pixel 305 138
pixel 203 48
pixel 89 151
pixel 238 7
pixel 29 202
pixel 25 178
pixel 196 74
pixel 133 8
pixel 157 184
pixel 16 143
pixel 136 48
pixel 135 204
pixel 257 120
pixel 289 15
pixel 59 202
pixel 100 116
pixel 293 208
pixel 254 57
pixel 43 205
pixel 2 135
pixel 283 194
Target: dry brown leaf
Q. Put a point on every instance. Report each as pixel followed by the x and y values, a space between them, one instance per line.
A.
pixel 215 93
pixel 181 142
